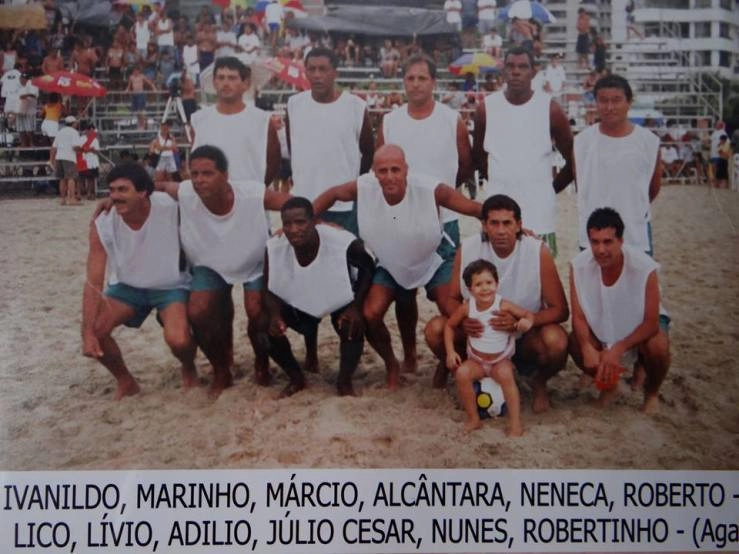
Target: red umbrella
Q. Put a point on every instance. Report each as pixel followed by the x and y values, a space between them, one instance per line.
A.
pixel 288 71
pixel 69 84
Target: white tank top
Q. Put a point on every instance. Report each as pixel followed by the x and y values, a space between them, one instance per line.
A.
pixel 148 257
pixel 404 237
pixel 165 143
pixel 324 143
pixel 165 39
pixel 241 136
pixel 142 34
pixel 519 146
pixel 519 275
pixel 321 287
pixel 231 245
pixel 613 312
pixel 491 341
pixel 616 172
pixel 430 144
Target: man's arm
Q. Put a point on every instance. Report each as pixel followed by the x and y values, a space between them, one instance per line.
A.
pixel 273 155
pixel 479 157
pixel 656 182
pixel 465 169
pixel 357 256
pixel 273 200
pixel 581 329
pixel 553 297
pixel 449 198
pixel 380 140
pixel 271 304
pixel 562 136
pixel 170 187
pixel 340 193
pixel 92 293
pixel 366 144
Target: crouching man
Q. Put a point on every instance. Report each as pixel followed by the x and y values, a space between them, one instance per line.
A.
pixel 615 310
pixel 309 273
pixel 138 242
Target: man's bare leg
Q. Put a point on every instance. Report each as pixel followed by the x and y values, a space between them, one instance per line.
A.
pixel 211 315
pixel 63 191
pixel 406 312
pixel 111 314
pixel 656 358
pixel 311 352
pixel 434 334
pixel 253 307
pixel 545 346
pixel 350 352
pixel 179 339
pixel 376 305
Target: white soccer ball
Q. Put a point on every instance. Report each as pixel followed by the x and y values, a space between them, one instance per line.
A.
pixel 490 401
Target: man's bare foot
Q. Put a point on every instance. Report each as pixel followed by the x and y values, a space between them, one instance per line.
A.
pixel 292 388
pixel 221 381
pixel 344 387
pixel 410 364
pixel 606 397
pixel 262 376
pixel 190 379
pixel 651 404
pixel 472 425
pixel 126 387
pixel 640 375
pixel 311 365
pixel 540 402
pixel 393 376
pixel 63 202
pixel 440 376
pixel 514 430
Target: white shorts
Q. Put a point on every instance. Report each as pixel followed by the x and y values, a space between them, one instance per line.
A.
pixel 49 128
pixel 167 163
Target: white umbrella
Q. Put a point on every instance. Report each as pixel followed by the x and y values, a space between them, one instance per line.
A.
pixel 526 9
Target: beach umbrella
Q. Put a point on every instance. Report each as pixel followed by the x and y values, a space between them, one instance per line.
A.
pixel 526 9
pixel 288 71
pixel 69 84
pixel 295 7
pixel 476 63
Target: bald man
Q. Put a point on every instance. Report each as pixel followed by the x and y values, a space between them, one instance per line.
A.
pixel 398 219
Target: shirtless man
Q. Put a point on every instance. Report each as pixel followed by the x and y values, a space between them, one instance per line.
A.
pixel 114 63
pixel 435 142
pixel 52 63
pixel 244 133
pixel 311 276
pixel 143 272
pixel 614 292
pixel 529 278
pixel 84 58
pixel 398 218
pixel 512 147
pixel 224 233
pixel 137 81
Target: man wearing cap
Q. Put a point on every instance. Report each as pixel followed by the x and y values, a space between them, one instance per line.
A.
pixel 63 159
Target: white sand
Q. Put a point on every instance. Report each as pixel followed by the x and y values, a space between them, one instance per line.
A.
pixel 57 411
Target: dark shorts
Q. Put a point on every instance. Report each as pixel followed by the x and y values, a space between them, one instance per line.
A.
pixel 90 173
pixel 144 300
pixel 66 169
pixel 286 169
pixel 274 27
pixel 206 279
pixel 115 74
pixel 138 102
pixel 451 228
pixel 303 323
pixel 582 46
pixel 347 220
pixel 442 276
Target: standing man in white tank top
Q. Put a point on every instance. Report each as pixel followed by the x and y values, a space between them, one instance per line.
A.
pixel 138 242
pixel 614 292
pixel 329 135
pixel 224 234
pixel 512 146
pixel 398 219
pixel 617 164
pixel 244 133
pixel 436 143
pixel 529 278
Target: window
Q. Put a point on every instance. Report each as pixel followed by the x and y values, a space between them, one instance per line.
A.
pixel 702 29
pixel 684 30
pixel 702 58
pixel 724 31
pixel 726 5
pixel 702 4
pixel 667 4
pixel 724 58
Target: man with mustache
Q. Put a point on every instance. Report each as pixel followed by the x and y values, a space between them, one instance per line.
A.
pixel 138 242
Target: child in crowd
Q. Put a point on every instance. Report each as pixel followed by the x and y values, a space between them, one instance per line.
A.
pixel 489 354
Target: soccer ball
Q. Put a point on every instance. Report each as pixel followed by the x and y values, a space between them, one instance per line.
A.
pixel 490 401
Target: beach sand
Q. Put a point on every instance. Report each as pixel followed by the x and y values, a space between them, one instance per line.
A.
pixel 57 409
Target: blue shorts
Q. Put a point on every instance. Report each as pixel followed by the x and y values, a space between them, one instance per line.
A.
pixel 451 228
pixel 442 276
pixel 138 102
pixel 346 220
pixel 274 27
pixel 204 279
pixel 144 300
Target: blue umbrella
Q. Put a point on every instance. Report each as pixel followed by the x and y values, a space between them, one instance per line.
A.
pixel 526 9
